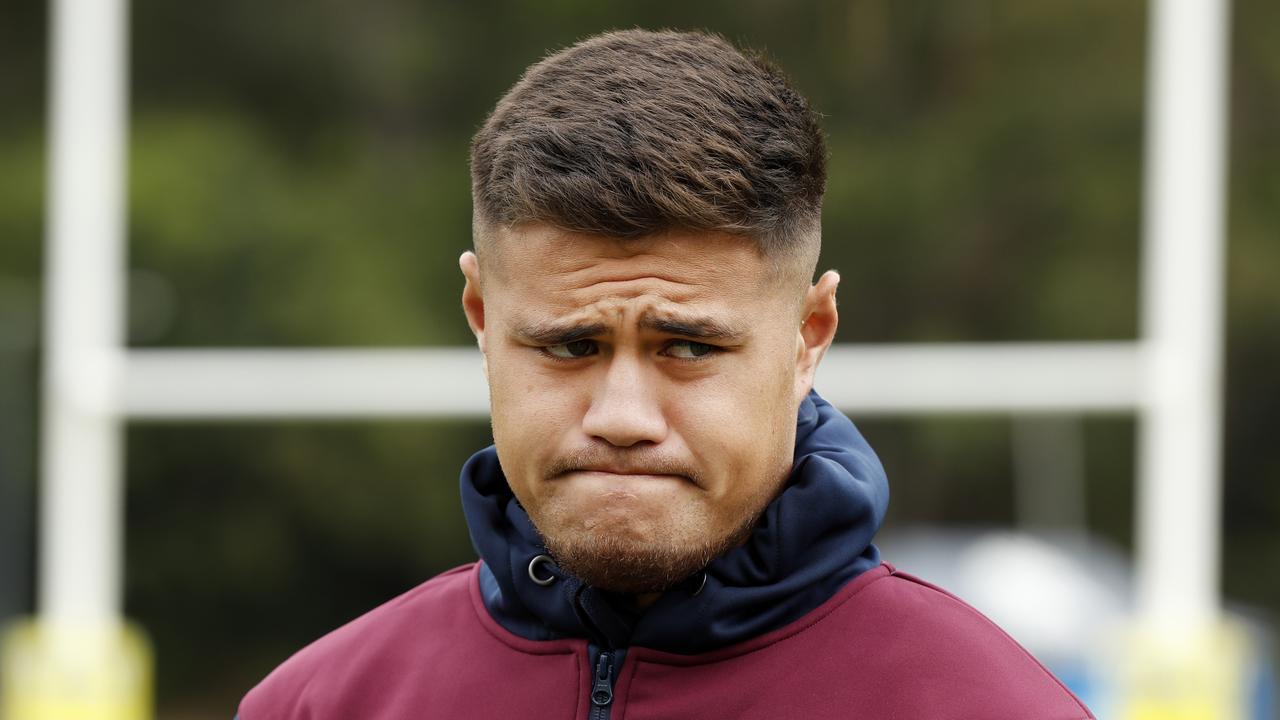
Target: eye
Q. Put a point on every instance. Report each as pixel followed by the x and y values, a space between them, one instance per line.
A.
pixel 572 350
pixel 690 350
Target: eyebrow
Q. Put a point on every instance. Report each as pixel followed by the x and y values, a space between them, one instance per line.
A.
pixel 700 328
pixel 554 333
pixel 550 333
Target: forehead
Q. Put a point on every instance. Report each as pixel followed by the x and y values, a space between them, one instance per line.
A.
pixel 538 266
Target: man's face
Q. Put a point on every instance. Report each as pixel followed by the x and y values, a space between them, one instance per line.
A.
pixel 644 393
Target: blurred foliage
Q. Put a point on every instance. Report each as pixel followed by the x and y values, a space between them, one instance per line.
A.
pixel 299 178
pixel 247 540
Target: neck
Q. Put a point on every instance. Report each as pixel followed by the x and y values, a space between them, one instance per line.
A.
pixel 644 600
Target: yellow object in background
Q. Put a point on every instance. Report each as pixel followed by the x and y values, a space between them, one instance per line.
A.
pixel 1205 679
pixel 75 672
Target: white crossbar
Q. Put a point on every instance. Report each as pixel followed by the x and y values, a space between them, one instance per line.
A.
pixel 448 382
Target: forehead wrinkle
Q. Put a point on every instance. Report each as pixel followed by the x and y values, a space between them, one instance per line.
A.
pixel 609 315
pixel 702 257
pixel 696 276
pixel 620 295
pixel 679 268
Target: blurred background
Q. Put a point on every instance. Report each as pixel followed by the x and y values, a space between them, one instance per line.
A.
pixel 298 178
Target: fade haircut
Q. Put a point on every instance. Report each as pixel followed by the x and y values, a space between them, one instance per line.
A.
pixel 633 133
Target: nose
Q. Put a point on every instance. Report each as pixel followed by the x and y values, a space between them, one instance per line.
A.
pixel 625 409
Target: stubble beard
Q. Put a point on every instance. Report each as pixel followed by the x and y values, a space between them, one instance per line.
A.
pixel 633 559
pixel 632 566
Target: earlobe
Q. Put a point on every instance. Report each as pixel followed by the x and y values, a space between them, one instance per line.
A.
pixel 817 330
pixel 472 298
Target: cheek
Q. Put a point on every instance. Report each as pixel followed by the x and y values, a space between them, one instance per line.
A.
pixel 531 414
pixel 521 389
pixel 742 428
pixel 763 392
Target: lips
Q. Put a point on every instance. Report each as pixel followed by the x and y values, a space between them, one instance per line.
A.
pixel 630 474
pixel 623 471
pixel 621 465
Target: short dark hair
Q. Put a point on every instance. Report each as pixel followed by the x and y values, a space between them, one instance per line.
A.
pixel 631 133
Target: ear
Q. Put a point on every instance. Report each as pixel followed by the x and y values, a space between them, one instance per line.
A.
pixel 818 321
pixel 473 300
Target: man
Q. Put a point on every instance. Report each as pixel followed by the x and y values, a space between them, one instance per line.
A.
pixel 671 524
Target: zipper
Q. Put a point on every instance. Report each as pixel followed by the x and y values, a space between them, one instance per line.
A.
pixel 604 658
pixel 602 688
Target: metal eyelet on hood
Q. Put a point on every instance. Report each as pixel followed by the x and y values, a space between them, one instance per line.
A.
pixel 533 570
pixel 702 584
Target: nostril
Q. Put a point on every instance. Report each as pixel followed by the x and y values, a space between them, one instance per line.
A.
pixel 625 426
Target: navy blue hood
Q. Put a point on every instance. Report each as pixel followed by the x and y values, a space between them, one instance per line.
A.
pixel 811 540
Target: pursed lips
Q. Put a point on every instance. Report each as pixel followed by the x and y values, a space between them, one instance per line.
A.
pixel 629 473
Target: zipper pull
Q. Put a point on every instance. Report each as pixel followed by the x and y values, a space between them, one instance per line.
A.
pixel 602 691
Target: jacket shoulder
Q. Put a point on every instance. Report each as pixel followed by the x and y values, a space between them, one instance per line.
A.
pixel 356 654
pixel 945 653
pixel 888 645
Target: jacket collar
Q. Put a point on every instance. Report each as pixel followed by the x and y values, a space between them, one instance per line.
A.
pixel 811 540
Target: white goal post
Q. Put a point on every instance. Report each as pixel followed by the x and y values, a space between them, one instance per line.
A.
pixel 1170 377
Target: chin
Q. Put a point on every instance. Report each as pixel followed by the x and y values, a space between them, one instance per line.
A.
pixel 627 569
pixel 630 558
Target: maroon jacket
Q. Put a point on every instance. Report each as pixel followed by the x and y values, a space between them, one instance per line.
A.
pixel 800 621
pixel 887 645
